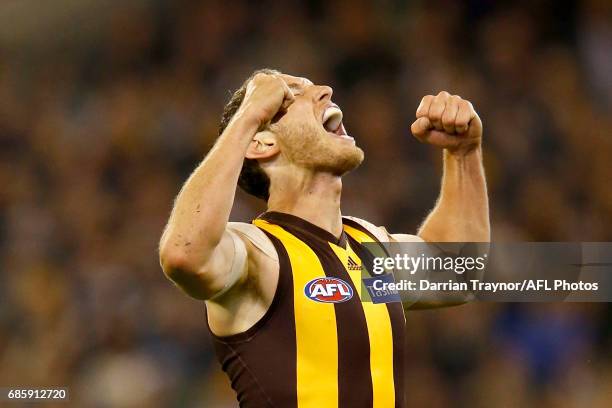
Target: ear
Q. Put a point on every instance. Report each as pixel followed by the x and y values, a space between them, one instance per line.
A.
pixel 263 146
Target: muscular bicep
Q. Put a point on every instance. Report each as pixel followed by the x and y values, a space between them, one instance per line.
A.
pixel 223 268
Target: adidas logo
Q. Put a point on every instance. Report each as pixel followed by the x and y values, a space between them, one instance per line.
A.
pixel 352 265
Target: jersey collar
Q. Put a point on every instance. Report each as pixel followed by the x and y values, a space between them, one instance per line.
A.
pixel 292 221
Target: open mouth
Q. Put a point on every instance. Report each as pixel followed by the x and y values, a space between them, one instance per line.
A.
pixel 332 121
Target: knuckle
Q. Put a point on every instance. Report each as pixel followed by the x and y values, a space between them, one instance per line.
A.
pixel 259 77
pixel 424 105
pixel 448 118
pixel 436 110
pixel 425 100
pixel 451 108
pixel 444 94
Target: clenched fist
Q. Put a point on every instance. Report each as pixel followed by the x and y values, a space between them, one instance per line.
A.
pixel 447 121
pixel 266 95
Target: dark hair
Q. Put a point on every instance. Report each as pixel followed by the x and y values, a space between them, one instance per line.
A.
pixel 253 179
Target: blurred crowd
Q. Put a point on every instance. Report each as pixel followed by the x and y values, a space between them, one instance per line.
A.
pixel 96 141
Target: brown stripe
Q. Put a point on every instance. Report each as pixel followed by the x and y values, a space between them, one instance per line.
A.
pixel 398 328
pixel 354 375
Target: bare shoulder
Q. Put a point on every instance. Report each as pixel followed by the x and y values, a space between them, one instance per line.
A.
pixel 262 258
pixel 249 299
pixel 254 237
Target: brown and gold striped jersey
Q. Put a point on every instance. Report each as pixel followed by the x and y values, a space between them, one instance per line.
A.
pixel 311 351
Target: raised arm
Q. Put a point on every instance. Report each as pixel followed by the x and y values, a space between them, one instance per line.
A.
pixel 197 250
pixel 462 211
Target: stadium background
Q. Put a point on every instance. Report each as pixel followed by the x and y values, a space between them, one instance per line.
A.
pixel 105 108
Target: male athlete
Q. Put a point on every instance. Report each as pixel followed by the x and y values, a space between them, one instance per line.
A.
pixel 283 139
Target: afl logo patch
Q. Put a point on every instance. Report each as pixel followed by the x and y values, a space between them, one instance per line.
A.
pixel 328 290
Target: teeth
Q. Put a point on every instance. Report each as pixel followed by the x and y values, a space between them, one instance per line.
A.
pixel 332 117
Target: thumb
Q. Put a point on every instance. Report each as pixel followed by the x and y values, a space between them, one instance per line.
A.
pixel 420 127
pixel 288 97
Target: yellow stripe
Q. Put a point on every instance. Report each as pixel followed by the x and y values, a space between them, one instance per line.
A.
pixel 315 327
pixel 379 330
pixel 359 236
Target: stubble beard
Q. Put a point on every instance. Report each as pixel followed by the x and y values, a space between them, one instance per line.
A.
pixel 312 148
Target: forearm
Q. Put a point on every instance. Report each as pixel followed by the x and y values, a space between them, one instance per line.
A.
pixel 202 208
pixel 462 211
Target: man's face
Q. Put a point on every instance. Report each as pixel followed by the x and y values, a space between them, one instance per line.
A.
pixel 311 133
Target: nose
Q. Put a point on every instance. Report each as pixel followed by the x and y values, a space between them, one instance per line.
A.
pixel 324 92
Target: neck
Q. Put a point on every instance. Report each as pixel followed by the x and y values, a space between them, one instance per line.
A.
pixel 314 197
